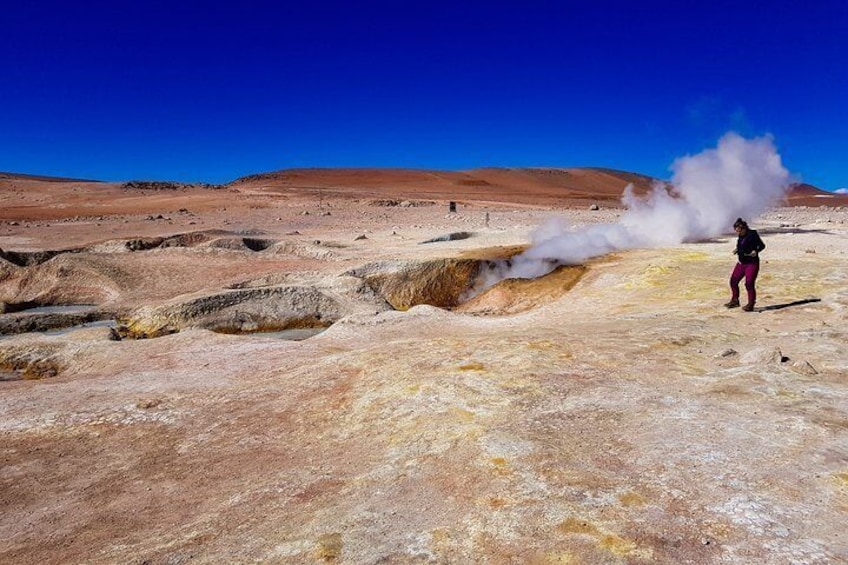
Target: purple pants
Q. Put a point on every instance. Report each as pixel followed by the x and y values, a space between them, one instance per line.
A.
pixel 749 271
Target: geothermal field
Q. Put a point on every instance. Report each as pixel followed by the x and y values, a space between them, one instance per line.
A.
pixel 318 366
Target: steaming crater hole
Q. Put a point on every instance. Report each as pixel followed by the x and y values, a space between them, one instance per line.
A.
pixel 450 283
pixel 513 295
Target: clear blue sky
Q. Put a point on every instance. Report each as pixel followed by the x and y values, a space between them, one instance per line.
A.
pixel 209 91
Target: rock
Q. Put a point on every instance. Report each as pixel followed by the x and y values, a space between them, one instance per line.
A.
pixel 148 403
pixel 729 352
pixel 450 237
pixel 594 207
pixel 762 356
pixel 305 213
pixel 809 251
pixel 360 237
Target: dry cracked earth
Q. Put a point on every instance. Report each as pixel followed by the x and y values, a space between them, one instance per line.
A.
pixel 233 376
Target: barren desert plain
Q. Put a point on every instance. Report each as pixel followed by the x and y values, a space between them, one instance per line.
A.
pixel 155 409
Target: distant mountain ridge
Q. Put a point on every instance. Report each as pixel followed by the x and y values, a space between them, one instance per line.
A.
pixel 498 183
pixel 538 184
pixel 43 178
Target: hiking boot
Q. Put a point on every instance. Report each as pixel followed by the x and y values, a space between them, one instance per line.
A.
pixel 748 308
pixel 732 304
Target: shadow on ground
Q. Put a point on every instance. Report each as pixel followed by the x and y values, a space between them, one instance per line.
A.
pixel 788 304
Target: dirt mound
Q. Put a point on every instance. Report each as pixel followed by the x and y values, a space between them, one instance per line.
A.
pixel 235 311
pixel 28 361
pixel 66 279
pixel 255 308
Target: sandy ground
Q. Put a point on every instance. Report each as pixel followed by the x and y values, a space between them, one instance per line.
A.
pixel 628 418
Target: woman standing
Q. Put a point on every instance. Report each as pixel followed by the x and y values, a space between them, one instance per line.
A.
pixel 748 247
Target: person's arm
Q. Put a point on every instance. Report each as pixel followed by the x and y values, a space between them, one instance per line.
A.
pixel 759 245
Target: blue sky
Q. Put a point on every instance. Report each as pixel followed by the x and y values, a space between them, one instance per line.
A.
pixel 210 91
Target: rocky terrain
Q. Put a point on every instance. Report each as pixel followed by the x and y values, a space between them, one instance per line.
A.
pixel 291 369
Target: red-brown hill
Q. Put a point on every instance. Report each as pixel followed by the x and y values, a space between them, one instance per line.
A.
pixel 532 186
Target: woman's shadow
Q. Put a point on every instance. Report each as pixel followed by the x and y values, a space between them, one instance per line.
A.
pixel 787 305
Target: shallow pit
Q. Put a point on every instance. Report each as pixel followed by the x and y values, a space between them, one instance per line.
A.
pixel 36 308
pixel 48 318
pixel 6 376
pixel 293 334
pixel 111 324
pixel 255 244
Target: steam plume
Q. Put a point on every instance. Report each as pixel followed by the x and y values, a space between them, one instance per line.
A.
pixel 739 178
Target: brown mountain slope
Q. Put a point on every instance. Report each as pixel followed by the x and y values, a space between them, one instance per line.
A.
pixel 516 185
pixel 803 194
pixel 532 186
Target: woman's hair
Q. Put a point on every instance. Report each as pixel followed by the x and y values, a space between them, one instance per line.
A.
pixel 740 223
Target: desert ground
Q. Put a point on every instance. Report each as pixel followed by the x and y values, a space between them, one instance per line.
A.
pixel 281 370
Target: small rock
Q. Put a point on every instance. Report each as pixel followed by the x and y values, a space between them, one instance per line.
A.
pixel 594 207
pixel 809 251
pixel 305 213
pixel 762 356
pixel 149 403
pixel 360 237
pixel 729 352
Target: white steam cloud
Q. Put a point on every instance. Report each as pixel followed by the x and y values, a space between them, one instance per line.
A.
pixel 841 191
pixel 708 191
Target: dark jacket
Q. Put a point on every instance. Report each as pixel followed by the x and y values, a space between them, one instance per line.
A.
pixel 747 244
